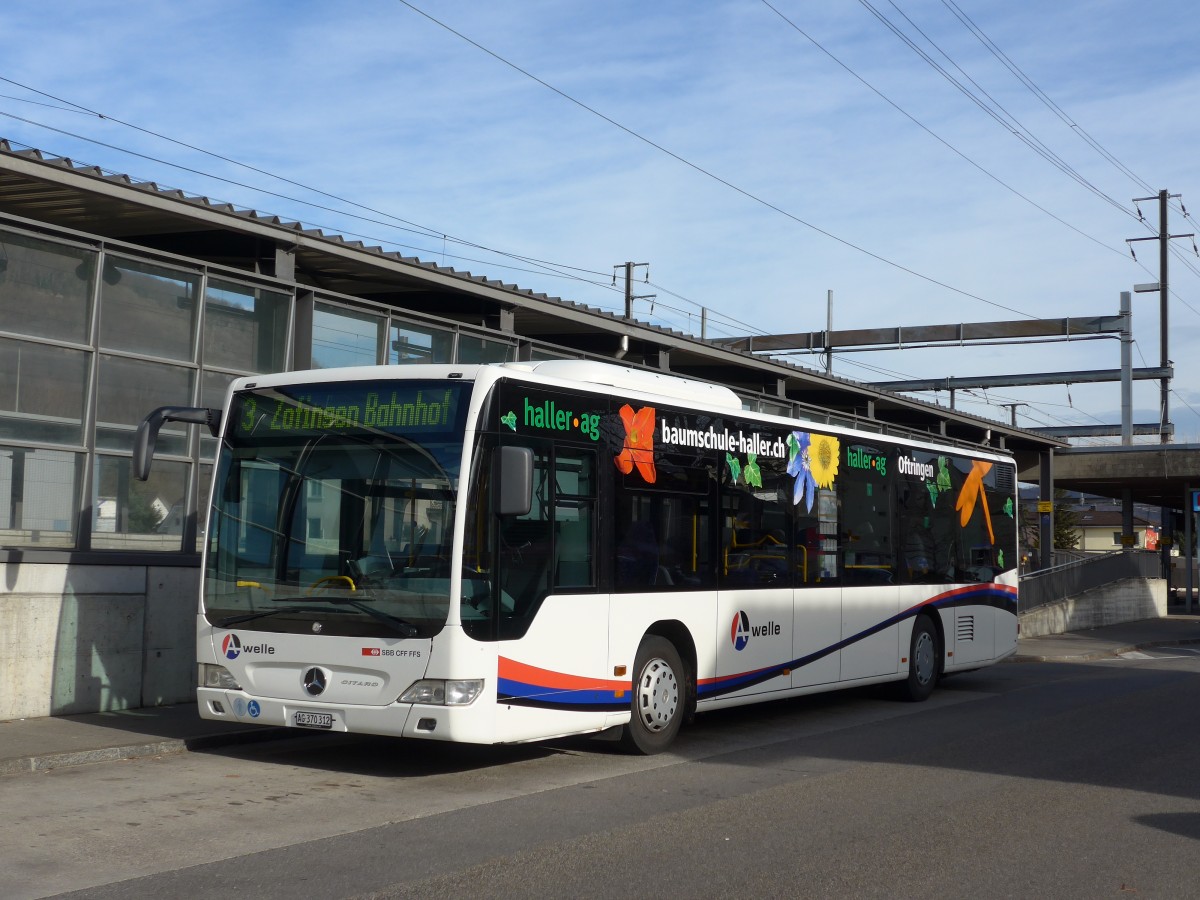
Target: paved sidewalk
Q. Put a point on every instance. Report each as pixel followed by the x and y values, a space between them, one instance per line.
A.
pixel 37 744
pixel 1110 640
pixel 49 742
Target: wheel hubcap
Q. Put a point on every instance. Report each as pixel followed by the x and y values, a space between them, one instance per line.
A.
pixel 923 660
pixel 658 695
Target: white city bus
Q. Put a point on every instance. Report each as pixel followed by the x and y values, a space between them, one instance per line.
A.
pixel 522 551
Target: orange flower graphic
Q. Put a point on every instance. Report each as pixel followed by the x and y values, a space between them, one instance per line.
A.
pixel 639 442
pixel 971 491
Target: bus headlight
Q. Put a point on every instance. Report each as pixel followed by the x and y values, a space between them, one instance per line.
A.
pixel 212 676
pixel 437 692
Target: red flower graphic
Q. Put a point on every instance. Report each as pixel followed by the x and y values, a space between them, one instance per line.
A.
pixel 639 442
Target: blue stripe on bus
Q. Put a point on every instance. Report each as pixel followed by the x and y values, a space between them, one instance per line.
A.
pixel 519 693
pixel 995 595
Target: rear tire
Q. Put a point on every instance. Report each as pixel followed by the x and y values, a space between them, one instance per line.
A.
pixel 923 657
pixel 659 700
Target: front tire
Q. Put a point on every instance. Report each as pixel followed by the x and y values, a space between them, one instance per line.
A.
pixel 923 658
pixel 659 699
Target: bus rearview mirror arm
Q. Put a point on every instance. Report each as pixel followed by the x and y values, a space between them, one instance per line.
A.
pixel 147 432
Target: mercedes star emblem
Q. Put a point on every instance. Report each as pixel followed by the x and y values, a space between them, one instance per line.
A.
pixel 314 682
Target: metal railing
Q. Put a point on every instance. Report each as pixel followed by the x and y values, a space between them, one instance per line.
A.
pixel 1078 575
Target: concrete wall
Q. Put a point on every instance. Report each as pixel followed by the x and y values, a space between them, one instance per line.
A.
pixel 1128 600
pixel 81 639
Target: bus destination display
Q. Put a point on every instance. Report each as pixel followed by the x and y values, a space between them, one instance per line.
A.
pixel 303 410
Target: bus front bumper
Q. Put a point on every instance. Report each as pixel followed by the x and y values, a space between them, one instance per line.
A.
pixel 396 719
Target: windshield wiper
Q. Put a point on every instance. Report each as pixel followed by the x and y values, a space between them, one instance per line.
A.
pixel 258 614
pixel 403 627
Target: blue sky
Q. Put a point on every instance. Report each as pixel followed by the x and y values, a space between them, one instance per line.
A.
pixel 757 156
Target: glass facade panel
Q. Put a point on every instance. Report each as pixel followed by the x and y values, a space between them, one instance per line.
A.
pixel 148 312
pixel 45 288
pixel 245 328
pixel 148 309
pixel 213 386
pixel 42 392
pixel 343 337
pixel 775 409
pixel 128 514
pixel 39 496
pixel 480 350
pixel 412 343
pixel 128 389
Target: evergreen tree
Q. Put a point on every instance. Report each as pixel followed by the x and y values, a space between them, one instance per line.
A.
pixel 1066 520
pixel 1066 537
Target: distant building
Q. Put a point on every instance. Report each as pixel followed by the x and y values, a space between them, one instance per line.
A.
pixel 1100 529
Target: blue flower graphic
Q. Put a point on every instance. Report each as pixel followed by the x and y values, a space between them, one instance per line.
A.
pixel 798 468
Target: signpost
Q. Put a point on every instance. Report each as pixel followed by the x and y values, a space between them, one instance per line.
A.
pixel 1190 555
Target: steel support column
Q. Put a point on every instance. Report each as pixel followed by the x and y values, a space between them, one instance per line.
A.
pixel 1046 519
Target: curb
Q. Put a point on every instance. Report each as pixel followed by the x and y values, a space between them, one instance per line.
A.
pixel 45 761
pixel 1108 653
pixel 168 747
pixel 1089 656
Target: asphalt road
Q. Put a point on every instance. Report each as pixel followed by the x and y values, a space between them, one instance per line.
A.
pixel 1049 780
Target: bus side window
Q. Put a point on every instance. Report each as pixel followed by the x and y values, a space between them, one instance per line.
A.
pixel 757 528
pixel 865 527
pixel 637 557
pixel 573 553
pixel 574 518
pixel 915 505
pixel 553 546
pixel 663 543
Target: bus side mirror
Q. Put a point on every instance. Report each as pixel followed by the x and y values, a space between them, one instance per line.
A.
pixel 147 432
pixel 512 478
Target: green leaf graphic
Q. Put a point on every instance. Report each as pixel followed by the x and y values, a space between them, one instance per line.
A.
pixel 943 479
pixel 753 472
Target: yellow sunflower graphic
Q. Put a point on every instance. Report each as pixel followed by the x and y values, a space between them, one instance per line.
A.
pixel 823 459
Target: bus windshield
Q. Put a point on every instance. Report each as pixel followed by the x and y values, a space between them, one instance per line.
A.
pixel 333 509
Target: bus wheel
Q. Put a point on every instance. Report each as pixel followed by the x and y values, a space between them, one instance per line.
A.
pixel 922 660
pixel 659 697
